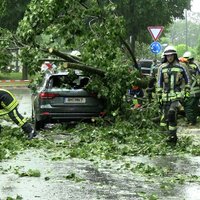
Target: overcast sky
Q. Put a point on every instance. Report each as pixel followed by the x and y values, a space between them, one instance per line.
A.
pixel 195 6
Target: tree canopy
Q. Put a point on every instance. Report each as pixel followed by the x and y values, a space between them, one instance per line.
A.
pixel 177 33
pixel 140 14
pixel 12 11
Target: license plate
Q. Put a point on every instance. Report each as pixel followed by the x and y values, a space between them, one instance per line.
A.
pixel 75 100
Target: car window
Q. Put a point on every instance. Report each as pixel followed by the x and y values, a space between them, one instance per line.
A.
pixel 58 82
pixel 145 66
pixel 63 81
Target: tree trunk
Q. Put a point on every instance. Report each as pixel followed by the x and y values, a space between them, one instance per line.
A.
pixel 75 64
pixel 84 68
pixel 24 73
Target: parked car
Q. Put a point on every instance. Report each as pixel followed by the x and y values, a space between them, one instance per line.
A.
pixel 145 66
pixel 59 98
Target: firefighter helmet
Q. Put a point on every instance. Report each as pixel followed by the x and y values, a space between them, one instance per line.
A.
pixel 188 55
pixel 75 53
pixel 170 50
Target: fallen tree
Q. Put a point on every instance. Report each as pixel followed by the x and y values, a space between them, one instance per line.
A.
pixel 73 63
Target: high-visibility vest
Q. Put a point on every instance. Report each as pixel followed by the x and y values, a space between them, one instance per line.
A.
pixel 195 74
pixel 171 78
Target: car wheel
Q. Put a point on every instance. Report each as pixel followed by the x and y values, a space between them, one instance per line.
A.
pixel 38 125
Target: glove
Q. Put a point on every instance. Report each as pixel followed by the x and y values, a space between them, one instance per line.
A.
pixel 187 94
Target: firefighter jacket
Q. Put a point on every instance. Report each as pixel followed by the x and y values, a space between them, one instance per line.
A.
pixel 173 82
pixel 7 102
pixel 195 79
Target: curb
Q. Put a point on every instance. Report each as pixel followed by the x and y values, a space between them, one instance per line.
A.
pixel 13 81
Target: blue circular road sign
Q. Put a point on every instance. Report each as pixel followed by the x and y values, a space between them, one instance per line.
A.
pixel 155 47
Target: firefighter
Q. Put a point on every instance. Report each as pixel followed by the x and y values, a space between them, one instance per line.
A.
pixel 173 85
pixel 137 95
pixel 8 105
pixel 192 102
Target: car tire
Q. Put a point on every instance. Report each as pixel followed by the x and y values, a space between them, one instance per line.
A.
pixel 38 125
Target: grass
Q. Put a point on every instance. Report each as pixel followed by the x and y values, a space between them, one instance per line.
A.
pixel 14 84
pixel 11 76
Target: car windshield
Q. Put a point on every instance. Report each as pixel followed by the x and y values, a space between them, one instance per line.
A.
pixel 64 81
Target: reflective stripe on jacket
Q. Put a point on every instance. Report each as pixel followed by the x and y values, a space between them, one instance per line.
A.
pixel 7 102
pixel 171 79
pixel 195 73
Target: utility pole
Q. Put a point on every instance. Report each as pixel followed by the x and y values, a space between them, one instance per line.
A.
pixel 186 30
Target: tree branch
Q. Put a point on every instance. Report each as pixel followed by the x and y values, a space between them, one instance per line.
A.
pixel 75 64
pixel 84 68
pixel 130 52
pixel 68 58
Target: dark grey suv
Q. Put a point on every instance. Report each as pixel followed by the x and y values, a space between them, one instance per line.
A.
pixel 61 99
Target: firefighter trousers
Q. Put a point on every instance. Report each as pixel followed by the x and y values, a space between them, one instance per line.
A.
pixel 191 109
pixel 169 116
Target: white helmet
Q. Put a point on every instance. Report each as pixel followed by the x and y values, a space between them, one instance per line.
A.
pixel 76 53
pixel 188 55
pixel 170 50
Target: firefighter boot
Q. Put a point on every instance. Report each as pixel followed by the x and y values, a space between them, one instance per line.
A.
pixel 31 135
pixel 29 130
pixel 172 137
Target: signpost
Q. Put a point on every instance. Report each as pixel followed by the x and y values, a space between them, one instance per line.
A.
pixel 155 32
pixel 155 47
